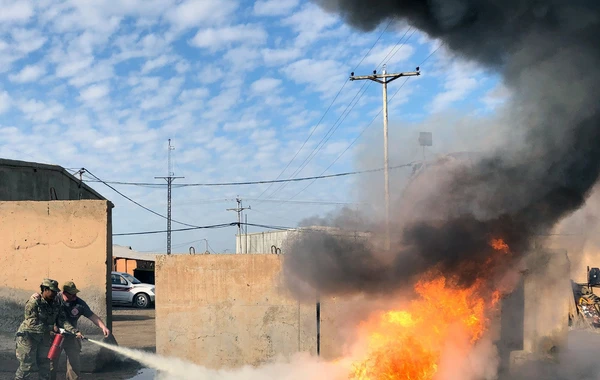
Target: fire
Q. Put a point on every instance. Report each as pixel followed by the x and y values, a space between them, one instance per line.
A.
pixel 499 245
pixel 408 344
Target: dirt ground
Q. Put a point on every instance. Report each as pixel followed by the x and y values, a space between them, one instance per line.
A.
pixel 133 328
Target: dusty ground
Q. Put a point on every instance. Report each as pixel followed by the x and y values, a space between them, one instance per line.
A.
pixel 132 328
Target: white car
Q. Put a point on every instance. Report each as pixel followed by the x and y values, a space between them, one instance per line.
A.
pixel 128 290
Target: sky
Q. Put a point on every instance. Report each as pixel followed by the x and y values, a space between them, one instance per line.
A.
pixel 246 91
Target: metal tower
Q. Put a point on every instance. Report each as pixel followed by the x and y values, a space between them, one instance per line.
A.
pixel 169 178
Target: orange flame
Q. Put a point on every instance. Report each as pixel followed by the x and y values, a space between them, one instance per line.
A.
pixel 500 245
pixel 407 344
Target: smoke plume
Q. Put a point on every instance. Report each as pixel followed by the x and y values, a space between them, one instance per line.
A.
pixel 547 53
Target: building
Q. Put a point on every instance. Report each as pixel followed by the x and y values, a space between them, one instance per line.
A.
pixel 52 225
pixel 138 264
pixel 275 241
pixel 31 181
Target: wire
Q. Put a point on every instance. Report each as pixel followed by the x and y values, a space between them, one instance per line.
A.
pixel 368 125
pixel 136 203
pixel 178 229
pixel 243 183
pixel 326 111
pixel 316 202
pixel 210 248
pixel 344 115
pixel 326 137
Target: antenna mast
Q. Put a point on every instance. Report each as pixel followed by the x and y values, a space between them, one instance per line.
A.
pixel 169 178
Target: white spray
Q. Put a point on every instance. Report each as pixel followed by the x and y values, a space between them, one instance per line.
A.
pixel 299 367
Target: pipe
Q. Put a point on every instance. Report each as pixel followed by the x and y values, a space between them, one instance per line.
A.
pixel 318 327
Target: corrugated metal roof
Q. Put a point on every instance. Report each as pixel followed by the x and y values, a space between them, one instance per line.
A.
pixel 4 162
pixel 123 252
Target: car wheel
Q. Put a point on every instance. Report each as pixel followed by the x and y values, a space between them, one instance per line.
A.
pixel 141 301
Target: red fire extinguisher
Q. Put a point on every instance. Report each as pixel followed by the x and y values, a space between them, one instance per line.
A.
pixel 56 346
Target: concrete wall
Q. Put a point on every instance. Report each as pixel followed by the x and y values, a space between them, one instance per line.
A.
pixel 30 181
pixel 535 317
pixel 226 311
pixel 70 240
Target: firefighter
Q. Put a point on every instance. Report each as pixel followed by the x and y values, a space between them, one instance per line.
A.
pixel 74 307
pixel 43 313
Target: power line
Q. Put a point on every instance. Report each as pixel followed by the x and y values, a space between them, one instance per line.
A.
pixel 135 202
pixel 325 137
pixel 368 125
pixel 243 183
pixel 222 225
pixel 326 111
pixel 342 117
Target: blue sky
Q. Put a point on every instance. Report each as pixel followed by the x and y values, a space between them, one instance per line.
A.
pixel 237 85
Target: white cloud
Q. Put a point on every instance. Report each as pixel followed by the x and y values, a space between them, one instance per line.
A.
pixel 70 66
pixel 39 111
pixel 106 142
pixel 309 23
pixel 263 136
pixel 192 13
pixel 392 54
pixel 101 71
pixel 274 7
pixel 164 95
pixel 460 79
pixel 220 106
pixel 182 66
pixel 194 94
pixel 276 57
pixel 265 85
pixel 94 92
pixel 28 73
pixel 241 125
pixel 15 11
pixel 321 76
pixel 455 89
pixel 210 74
pixel 221 38
pixel 4 101
pixel 242 58
pixel 157 63
pixel 27 40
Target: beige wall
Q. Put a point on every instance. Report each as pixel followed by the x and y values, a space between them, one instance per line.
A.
pixel 63 240
pixel 225 311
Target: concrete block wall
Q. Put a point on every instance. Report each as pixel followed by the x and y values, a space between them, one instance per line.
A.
pixel 226 311
pixel 63 240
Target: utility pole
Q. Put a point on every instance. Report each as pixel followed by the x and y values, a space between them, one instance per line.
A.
pixel 384 78
pixel 239 210
pixel 169 178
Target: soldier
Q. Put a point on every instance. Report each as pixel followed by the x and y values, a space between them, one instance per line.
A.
pixel 74 307
pixel 34 337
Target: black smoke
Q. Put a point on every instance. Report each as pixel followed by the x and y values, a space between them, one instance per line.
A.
pixel 548 53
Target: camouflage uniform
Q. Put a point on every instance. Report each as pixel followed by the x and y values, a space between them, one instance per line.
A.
pixel 71 345
pixel 33 339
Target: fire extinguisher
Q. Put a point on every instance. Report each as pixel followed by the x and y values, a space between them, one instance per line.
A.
pixel 56 345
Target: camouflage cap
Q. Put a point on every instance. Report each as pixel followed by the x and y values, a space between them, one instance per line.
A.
pixel 51 284
pixel 69 287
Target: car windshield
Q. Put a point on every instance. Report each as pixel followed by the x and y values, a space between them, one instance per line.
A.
pixel 132 279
